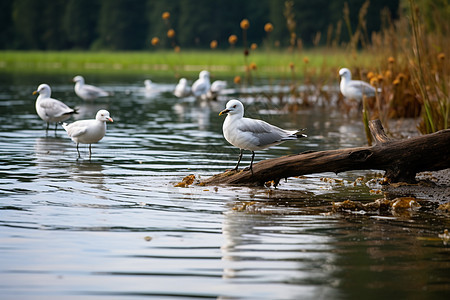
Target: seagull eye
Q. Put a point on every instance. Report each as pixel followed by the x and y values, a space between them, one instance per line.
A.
pixel 234 106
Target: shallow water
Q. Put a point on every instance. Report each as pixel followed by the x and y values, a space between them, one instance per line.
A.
pixel 116 227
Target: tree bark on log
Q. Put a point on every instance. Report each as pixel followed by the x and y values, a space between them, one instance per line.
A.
pixel 401 159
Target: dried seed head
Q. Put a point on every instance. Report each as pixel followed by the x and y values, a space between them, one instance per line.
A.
pixel 268 27
pixel 166 15
pixel 155 41
pixel 245 24
pixel 232 39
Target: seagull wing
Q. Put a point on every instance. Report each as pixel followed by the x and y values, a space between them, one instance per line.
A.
pixel 93 91
pixel 360 87
pixel 265 133
pixel 55 108
pixel 76 129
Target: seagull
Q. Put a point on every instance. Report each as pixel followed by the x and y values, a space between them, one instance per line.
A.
pixel 148 85
pixel 182 89
pixel 88 131
pixel 202 85
pixel 216 87
pixel 354 89
pixel 51 110
pixel 86 91
pixel 252 134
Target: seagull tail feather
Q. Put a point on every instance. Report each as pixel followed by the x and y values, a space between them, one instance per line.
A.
pixel 299 134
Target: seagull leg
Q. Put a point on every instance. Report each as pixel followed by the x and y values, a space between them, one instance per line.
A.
pixel 239 160
pixel 56 127
pixel 79 156
pixel 46 129
pixel 90 151
pixel 251 163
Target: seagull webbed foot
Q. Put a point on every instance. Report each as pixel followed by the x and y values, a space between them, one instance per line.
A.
pixel 250 168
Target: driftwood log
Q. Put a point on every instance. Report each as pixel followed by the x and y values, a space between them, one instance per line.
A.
pixel 401 159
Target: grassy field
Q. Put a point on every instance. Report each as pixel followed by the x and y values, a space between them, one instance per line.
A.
pixel 185 63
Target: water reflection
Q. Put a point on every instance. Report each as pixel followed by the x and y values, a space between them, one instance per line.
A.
pixel 47 149
pixel 272 249
pixel 54 158
pixel 88 172
pixel 88 110
pixel 197 112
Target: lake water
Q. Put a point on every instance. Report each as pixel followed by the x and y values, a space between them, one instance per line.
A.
pixel 115 227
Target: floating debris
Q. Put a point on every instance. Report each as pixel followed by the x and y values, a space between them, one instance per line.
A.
pixel 398 204
pixel 244 206
pixel 444 207
pixel 445 237
pixel 187 181
pixel 405 203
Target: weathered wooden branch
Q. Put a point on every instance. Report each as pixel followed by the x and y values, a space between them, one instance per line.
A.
pixel 401 159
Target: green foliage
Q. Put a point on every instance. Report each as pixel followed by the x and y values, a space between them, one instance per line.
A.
pixel 80 22
pixel 130 24
pixel 122 24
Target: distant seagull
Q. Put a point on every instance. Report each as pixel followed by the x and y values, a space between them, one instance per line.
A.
pixel 252 134
pixel 86 91
pixel 88 131
pixel 202 85
pixel 148 85
pixel 216 87
pixel 182 89
pixel 51 110
pixel 354 89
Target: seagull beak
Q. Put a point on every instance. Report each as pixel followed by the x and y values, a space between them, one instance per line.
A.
pixel 225 111
pixel 35 92
pixel 110 119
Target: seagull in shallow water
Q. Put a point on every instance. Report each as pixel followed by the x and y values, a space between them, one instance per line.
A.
pixel 148 85
pixel 88 131
pixel 252 134
pixel 51 110
pixel 182 89
pixel 354 89
pixel 202 85
pixel 216 87
pixel 86 91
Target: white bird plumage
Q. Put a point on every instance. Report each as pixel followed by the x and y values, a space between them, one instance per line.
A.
pixel 202 85
pixel 354 89
pixel 215 89
pixel 51 110
pixel 252 134
pixel 86 91
pixel 148 85
pixel 88 131
pixel 218 86
pixel 182 89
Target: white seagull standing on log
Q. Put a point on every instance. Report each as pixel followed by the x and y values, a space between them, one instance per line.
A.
pixel 252 134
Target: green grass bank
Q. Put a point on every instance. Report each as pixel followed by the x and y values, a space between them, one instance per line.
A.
pixel 263 63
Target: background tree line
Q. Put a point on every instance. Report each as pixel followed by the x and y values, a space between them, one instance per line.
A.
pixel 130 24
